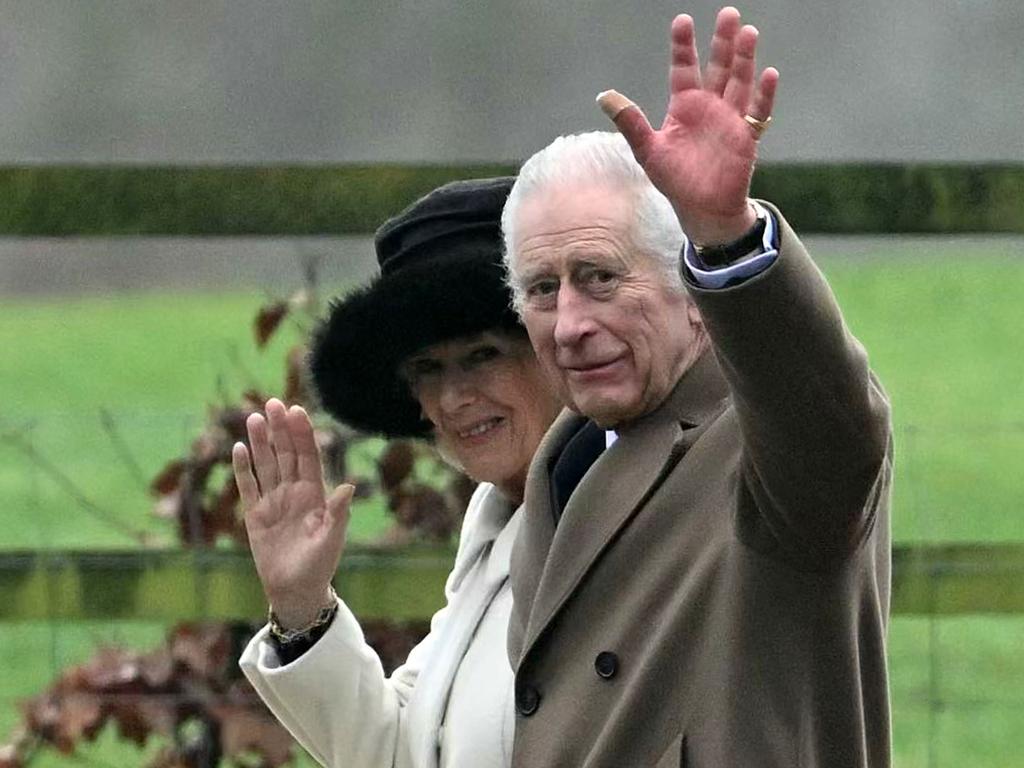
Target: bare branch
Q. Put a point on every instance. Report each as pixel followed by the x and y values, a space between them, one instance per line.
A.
pixel 121 448
pixel 85 504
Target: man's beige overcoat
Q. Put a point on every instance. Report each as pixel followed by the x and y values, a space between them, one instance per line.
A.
pixel 716 592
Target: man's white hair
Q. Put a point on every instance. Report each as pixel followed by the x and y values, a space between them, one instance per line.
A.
pixel 599 158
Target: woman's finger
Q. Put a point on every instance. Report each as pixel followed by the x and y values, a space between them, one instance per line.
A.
pixel 248 490
pixel 263 458
pixel 281 438
pixel 307 452
pixel 339 503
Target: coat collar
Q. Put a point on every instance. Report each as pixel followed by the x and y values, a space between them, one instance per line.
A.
pixel 547 568
pixel 486 516
pixel 470 590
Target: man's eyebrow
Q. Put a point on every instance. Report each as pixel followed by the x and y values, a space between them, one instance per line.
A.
pixel 528 274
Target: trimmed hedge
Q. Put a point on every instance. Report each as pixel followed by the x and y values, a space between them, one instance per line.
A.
pixel 302 200
pixel 896 198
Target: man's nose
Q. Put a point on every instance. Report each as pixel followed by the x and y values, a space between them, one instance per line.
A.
pixel 574 320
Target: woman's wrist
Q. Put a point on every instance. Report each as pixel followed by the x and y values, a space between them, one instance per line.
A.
pixel 290 613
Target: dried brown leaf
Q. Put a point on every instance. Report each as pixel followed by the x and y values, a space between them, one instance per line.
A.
pixel 243 729
pixel 267 321
pixel 254 400
pixel 221 517
pixel 205 649
pixel 62 719
pixel 232 421
pixel 425 511
pixel 333 453
pixel 395 465
pixel 461 489
pixel 139 716
pixel 167 481
pixel 295 382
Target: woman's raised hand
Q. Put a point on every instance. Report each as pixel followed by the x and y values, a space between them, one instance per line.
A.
pixel 296 531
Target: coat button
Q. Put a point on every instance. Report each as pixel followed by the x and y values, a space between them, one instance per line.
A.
pixel 606 664
pixel 527 700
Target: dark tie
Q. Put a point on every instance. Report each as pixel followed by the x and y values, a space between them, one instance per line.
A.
pixel 572 464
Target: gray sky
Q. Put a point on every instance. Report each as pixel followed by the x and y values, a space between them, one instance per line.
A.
pixel 442 80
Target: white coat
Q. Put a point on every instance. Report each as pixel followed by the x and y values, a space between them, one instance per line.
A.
pixel 337 703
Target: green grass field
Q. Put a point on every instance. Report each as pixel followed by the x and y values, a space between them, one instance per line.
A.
pixel 942 325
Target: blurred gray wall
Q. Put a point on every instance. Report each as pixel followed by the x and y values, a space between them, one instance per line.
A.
pixel 253 81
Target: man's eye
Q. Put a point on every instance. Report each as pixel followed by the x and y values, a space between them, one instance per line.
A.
pixel 543 293
pixel 542 288
pixel 600 279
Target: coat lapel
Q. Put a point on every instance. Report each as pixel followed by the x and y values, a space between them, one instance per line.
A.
pixel 538 528
pixel 551 563
pixel 476 586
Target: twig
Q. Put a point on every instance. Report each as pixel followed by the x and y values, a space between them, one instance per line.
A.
pixel 235 358
pixel 121 448
pixel 91 508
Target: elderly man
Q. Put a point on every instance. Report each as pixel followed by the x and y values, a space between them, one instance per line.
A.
pixel 702 576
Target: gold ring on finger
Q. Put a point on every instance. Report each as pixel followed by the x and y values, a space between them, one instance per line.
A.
pixel 757 126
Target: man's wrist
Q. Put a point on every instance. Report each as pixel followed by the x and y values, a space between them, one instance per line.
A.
pixel 726 266
pixel 719 230
pixel 746 245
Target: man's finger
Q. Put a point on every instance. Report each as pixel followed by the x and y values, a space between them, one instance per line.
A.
pixel 307 453
pixel 764 97
pixel 684 72
pixel 263 458
pixel 740 87
pixel 281 438
pixel 720 61
pixel 244 479
pixel 629 119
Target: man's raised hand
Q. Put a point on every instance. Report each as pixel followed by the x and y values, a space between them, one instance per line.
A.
pixel 702 157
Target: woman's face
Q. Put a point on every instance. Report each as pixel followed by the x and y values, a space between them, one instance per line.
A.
pixel 489 403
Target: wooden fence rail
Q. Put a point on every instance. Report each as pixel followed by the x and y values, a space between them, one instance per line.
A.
pixel 178 585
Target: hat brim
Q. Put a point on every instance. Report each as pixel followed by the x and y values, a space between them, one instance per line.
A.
pixel 357 350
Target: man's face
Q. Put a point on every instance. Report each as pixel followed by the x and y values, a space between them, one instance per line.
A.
pixel 607 328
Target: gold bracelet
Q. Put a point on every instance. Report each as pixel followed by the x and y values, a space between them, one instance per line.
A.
pixel 325 616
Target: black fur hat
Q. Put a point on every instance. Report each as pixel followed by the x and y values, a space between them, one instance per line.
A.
pixel 441 277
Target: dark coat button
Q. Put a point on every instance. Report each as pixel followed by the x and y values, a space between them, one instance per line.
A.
pixel 527 699
pixel 606 664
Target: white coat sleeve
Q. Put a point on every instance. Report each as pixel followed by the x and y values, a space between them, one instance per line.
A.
pixel 335 699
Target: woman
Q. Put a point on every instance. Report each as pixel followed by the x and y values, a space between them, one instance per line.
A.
pixel 430 349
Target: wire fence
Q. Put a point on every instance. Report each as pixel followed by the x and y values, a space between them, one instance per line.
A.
pixel 956 667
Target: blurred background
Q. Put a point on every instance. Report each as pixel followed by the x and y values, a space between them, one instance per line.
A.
pixel 184 185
